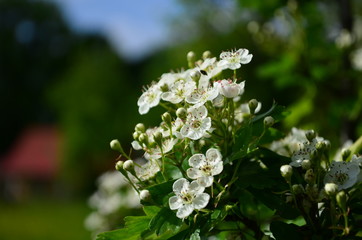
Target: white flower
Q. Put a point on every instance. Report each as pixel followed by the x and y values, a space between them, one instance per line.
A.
pixel 156 153
pixel 197 123
pixel 233 60
pixel 344 174
pixel 179 91
pixel 305 151
pixel 204 168
pixel 189 196
pixel 229 89
pixel 148 170
pixel 200 96
pixel 150 98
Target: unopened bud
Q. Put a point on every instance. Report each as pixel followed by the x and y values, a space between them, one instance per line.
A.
pixel 158 138
pixel 195 75
pixel 136 135
pixel 191 57
pixel 115 145
pixel 140 127
pixel 306 164
pixel 341 198
pixel 269 121
pixel 119 166
pixel 143 138
pixel 166 117
pixel 128 166
pixel 320 145
pixel 145 195
pixel 310 135
pixel 331 189
pixel 309 176
pixel 206 54
pixel 297 189
pixel 345 154
pixel 181 113
pixel 253 104
pixel 287 172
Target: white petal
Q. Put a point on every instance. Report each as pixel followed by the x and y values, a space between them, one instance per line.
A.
pixel 143 109
pixel 205 181
pixel 196 160
pixel 196 188
pixel 206 124
pixel 180 184
pixel 213 155
pixel 175 202
pixel 201 201
pixel 185 130
pixel 217 168
pixel 193 173
pixel 136 145
pixel 184 211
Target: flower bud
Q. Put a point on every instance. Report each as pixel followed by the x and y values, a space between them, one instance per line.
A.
pixel 136 135
pixel 331 189
pixel 321 145
pixel 119 166
pixel 297 189
pixel 309 176
pixel 206 54
pixel 128 166
pixel 341 199
pixel 140 127
pixel 306 164
pixel 145 195
pixel 310 135
pixel 191 57
pixel 181 113
pixel 345 154
pixel 157 136
pixel 269 121
pixel 287 172
pixel 253 104
pixel 143 138
pixel 166 117
pixel 115 145
pixel 195 75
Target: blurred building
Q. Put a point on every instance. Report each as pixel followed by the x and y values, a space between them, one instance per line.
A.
pixel 32 164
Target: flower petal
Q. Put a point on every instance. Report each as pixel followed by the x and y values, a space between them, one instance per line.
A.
pixel 184 211
pixel 180 184
pixel 174 202
pixel 213 155
pixel 196 188
pixel 201 201
pixel 193 173
pixel 217 168
pixel 196 160
pixel 205 181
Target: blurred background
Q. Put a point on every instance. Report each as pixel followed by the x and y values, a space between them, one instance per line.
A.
pixel 71 72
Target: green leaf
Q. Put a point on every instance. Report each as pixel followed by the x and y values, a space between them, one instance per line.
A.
pixel 133 229
pixel 160 193
pixel 165 221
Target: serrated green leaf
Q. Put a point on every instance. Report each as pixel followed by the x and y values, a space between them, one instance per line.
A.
pixel 132 231
pixel 165 221
pixel 160 193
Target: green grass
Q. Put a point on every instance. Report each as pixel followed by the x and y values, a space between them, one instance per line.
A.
pixel 43 220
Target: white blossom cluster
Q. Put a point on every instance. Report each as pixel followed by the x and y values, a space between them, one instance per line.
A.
pixel 193 97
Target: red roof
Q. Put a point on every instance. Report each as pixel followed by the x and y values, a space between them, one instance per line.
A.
pixel 35 154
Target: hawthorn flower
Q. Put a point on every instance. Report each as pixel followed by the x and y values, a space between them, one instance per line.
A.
pixel 189 196
pixel 305 152
pixel 150 98
pixel 148 170
pixel 156 153
pixel 344 174
pixel 229 89
pixel 204 168
pixel 197 123
pixel 233 60
pixel 200 96
pixel 179 91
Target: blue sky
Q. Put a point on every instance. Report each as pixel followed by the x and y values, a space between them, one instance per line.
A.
pixel 134 27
